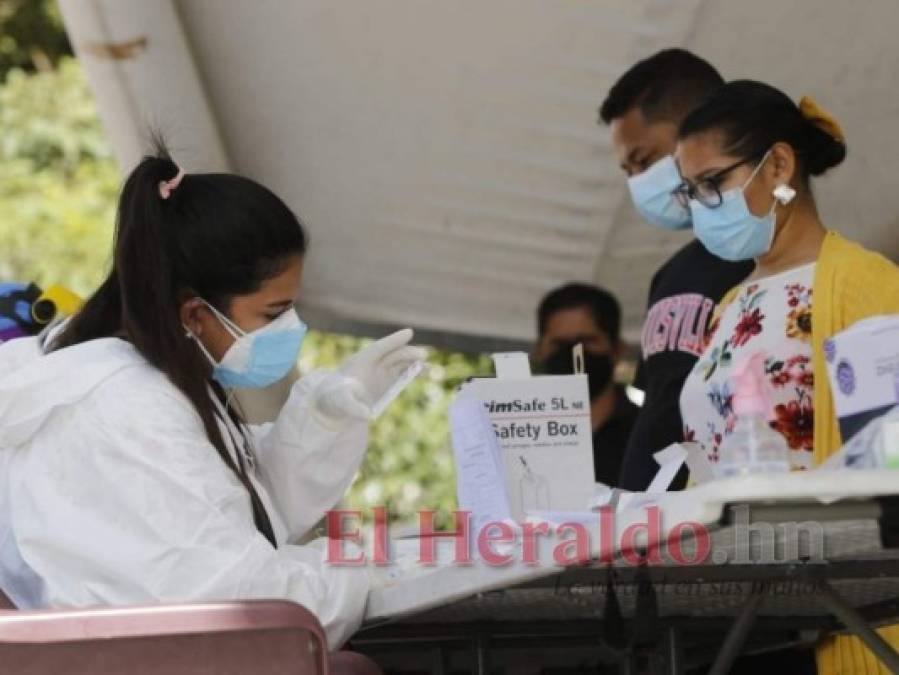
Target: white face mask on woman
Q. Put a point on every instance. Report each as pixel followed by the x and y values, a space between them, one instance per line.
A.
pixel 730 230
pixel 258 358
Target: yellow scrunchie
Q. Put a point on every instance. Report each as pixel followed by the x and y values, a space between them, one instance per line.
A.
pixel 822 119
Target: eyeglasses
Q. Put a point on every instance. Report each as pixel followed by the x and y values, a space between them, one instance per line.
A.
pixel 708 190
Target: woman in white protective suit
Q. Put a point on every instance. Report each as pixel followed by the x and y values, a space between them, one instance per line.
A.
pixel 127 475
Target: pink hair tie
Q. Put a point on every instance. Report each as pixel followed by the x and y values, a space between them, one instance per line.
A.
pixel 166 187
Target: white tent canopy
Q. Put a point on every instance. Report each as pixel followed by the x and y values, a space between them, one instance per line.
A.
pixel 445 156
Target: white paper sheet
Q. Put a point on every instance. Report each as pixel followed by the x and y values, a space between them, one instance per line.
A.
pixel 512 365
pixel 480 478
pixel 670 461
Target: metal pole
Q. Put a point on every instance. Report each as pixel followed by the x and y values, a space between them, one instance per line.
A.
pixel 626 664
pixel 736 636
pixel 857 625
pixel 674 651
pixel 441 661
pixel 482 655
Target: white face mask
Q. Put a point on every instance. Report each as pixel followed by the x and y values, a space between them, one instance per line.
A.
pixel 653 194
pixel 258 358
pixel 731 231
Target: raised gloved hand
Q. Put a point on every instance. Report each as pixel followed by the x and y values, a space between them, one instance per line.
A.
pixel 364 377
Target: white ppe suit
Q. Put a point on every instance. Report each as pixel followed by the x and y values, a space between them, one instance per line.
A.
pixel 111 493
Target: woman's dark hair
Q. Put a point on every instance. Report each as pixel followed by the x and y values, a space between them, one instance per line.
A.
pixel 753 116
pixel 216 236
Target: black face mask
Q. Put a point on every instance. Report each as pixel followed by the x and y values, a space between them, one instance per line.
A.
pixel 598 367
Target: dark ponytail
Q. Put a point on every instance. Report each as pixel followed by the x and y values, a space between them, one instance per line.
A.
pixel 753 116
pixel 215 236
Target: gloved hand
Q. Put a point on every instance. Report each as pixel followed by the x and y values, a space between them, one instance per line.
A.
pixel 364 377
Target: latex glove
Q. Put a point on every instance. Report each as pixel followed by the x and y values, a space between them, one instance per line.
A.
pixel 340 397
pixel 365 377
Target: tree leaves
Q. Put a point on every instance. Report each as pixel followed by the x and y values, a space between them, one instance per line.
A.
pixel 58 181
pixel 32 35
pixel 58 188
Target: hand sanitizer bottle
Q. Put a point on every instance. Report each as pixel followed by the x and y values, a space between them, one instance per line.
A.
pixel 752 447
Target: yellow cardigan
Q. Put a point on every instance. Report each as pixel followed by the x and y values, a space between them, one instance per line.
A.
pixel 851 283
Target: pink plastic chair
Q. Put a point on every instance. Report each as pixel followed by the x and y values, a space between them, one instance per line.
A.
pixel 270 637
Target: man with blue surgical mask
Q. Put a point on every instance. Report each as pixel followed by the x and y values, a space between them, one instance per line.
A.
pixel 643 110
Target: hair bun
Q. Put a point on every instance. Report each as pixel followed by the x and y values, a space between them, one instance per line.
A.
pixel 823 153
pixel 825 145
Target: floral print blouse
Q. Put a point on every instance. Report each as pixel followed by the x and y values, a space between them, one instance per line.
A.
pixel 773 315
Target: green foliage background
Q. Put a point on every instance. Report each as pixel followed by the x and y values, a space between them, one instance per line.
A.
pixel 58 181
pixel 32 35
pixel 58 187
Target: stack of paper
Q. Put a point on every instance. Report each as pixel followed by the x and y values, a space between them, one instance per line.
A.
pixel 480 477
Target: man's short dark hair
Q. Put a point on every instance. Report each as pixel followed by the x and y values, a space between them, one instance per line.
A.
pixel 665 87
pixel 601 305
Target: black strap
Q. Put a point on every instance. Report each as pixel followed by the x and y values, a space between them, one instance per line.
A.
pixel 613 633
pixel 647 630
pixel 260 516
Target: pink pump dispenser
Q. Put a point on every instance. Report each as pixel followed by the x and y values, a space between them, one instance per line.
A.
pixel 752 446
pixel 749 386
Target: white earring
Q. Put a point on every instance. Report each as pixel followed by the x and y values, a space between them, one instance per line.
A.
pixel 784 194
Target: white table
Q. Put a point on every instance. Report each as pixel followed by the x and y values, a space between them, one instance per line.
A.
pixel 853 510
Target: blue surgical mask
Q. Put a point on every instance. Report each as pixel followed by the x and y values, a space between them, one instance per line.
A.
pixel 258 358
pixel 731 231
pixel 653 195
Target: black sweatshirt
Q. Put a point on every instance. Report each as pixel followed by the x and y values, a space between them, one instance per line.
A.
pixel 682 297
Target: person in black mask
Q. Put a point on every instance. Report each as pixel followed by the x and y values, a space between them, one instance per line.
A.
pixel 581 313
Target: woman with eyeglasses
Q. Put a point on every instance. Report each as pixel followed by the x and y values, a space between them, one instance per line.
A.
pixel 746 156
